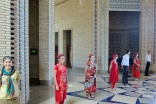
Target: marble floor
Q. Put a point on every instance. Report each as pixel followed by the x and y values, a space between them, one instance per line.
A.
pixel 142 91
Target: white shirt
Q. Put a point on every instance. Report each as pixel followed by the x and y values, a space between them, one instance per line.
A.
pixel 148 58
pixel 125 60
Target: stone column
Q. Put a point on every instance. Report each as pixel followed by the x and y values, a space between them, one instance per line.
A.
pixel 102 34
pixel 46 41
pixel 146 38
pixel 23 43
pixel 154 48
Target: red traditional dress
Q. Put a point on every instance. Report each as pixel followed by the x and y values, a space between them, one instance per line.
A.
pixel 114 73
pixel 61 77
pixel 90 79
pixel 136 68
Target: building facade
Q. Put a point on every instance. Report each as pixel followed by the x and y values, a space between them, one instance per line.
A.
pixel 34 31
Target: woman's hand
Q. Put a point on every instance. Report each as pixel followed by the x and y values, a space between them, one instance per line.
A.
pixel 57 87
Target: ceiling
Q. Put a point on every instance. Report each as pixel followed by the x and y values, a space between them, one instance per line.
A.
pixel 58 1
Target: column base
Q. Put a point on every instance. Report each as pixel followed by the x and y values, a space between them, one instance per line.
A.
pixel 46 82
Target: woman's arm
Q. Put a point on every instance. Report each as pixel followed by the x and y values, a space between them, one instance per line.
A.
pixel 134 60
pixel 110 67
pixel 86 68
pixel 55 80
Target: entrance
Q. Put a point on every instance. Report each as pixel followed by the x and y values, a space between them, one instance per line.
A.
pixel 56 46
pixel 67 47
pixel 123 33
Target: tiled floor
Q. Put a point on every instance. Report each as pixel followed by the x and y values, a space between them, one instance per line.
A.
pixel 142 91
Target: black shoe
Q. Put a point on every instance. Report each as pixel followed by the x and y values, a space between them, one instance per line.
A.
pixel 128 84
pixel 124 84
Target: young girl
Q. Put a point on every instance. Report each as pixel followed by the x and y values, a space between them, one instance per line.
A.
pixel 136 67
pixel 9 91
pixel 113 71
pixel 60 79
pixel 90 79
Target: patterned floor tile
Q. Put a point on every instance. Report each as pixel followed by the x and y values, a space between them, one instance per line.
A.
pixel 124 99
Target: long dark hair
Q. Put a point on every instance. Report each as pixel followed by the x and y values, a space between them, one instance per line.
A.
pixel 6 57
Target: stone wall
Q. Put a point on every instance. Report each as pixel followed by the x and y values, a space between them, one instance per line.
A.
pixel 77 16
pixel 34 38
pixel 5 42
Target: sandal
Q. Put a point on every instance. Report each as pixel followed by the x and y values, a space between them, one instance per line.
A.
pixel 88 96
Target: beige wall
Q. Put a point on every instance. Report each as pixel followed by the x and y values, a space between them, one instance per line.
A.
pixel 46 41
pixel 34 38
pixel 5 46
pixel 78 17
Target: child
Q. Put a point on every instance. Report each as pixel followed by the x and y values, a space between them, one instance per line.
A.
pixel 9 91
pixel 113 71
pixel 60 79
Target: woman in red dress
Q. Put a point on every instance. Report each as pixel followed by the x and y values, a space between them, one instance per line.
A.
pixel 136 67
pixel 60 79
pixel 114 71
pixel 90 79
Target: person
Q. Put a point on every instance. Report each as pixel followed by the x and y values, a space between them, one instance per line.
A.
pixel 9 91
pixel 114 71
pixel 125 67
pixel 90 77
pixel 148 63
pixel 136 67
pixel 60 79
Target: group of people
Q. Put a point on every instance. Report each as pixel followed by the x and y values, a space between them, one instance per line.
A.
pixel 125 68
pixel 9 77
pixel 61 80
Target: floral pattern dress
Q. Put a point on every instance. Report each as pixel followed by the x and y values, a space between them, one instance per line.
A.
pixel 90 79
pixel 136 68
pixel 61 77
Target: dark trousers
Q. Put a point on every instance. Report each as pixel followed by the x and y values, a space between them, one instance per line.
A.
pixel 147 68
pixel 125 74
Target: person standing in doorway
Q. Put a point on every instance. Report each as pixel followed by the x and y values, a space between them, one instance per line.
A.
pixel 90 77
pixel 60 79
pixel 114 71
pixel 136 67
pixel 125 67
pixel 148 63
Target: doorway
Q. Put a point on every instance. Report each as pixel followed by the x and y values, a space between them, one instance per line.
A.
pixel 123 33
pixel 56 46
pixel 67 47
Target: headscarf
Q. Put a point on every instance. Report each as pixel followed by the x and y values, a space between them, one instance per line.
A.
pixel 135 54
pixel 114 56
pixel 59 55
pixel 90 55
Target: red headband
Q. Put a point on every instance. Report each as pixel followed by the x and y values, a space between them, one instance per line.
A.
pixel 90 55
pixel 59 55
pixel 135 53
pixel 114 55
